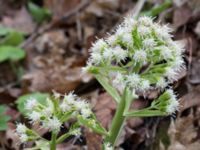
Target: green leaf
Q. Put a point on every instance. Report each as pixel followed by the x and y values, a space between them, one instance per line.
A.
pixel 11 53
pixel 4 31
pixel 112 91
pixel 3 118
pixel 158 9
pixel 2 109
pixel 10 37
pixel 39 14
pixel 145 113
pixel 21 101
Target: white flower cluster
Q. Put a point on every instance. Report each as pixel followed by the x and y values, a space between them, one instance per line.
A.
pixel 142 44
pixel 167 102
pixel 21 131
pixel 140 55
pixel 54 113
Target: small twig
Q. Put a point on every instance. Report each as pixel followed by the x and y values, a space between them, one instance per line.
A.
pixel 137 9
pixel 45 28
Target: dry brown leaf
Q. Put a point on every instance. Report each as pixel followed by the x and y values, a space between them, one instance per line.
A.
pixel 68 146
pixel 51 66
pixel 60 7
pixel 191 99
pixel 11 139
pixel 197 29
pixel 182 134
pixel 181 16
pixel 94 141
pixel 104 109
pixel 21 21
pixel 98 7
pixel 46 81
pixel 194 73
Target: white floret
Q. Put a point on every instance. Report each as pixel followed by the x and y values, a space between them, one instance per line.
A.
pixel 165 52
pixel 171 94
pixel 64 106
pixel 120 31
pixel 167 29
pixel 127 38
pixel 31 104
pixel 178 47
pixel 145 85
pixel 171 74
pixel 86 112
pixel 111 40
pixel 173 103
pixel 162 32
pixel 146 21
pixel 96 58
pixel 108 54
pixel 118 79
pixel 48 111
pixel 53 124
pixel 56 94
pixel 144 31
pixel 134 80
pixel 148 43
pixel 76 132
pixel 34 116
pixel 140 56
pixel 120 54
pixel 98 46
pixel 70 98
pixel 21 128
pixel 129 22
pixel 161 83
pixel 23 138
pixel 178 63
pixel 81 104
pixel 172 106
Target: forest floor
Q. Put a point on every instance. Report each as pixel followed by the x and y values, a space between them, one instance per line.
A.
pixel 56 48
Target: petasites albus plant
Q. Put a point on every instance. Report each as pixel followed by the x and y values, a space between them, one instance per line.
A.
pixel 51 116
pixel 139 56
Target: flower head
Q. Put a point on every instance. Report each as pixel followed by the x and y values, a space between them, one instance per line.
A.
pixel 173 103
pixel 98 46
pixel 86 112
pixel 148 43
pixel 31 103
pixel 134 80
pixel 53 124
pixel 141 54
pixel 23 138
pixel 76 132
pixel 119 54
pixel 21 128
pixel 34 116
pixel 70 98
pixel 146 21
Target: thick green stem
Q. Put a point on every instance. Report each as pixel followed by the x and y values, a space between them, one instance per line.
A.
pixel 118 121
pixel 62 138
pixel 53 141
